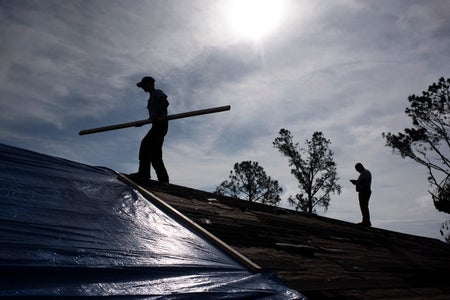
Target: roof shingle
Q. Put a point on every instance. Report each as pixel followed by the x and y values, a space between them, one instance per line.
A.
pixel 320 257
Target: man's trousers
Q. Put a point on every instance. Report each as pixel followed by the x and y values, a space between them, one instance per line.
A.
pixel 150 153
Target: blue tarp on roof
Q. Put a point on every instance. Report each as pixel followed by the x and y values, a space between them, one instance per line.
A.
pixel 69 229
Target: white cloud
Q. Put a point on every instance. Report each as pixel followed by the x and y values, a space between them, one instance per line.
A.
pixel 344 68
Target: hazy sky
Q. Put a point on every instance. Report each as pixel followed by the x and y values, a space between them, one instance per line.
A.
pixel 343 67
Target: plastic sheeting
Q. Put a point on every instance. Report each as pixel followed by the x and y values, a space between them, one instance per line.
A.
pixel 69 229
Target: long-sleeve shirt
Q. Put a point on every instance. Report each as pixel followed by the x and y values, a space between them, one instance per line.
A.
pixel 364 181
pixel 157 105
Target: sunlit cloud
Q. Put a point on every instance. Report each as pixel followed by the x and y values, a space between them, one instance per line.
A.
pixel 344 68
pixel 254 19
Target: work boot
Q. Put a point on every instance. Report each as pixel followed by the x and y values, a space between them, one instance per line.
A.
pixel 138 178
pixel 366 224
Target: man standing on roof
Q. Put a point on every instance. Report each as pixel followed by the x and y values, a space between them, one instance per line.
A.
pixel 150 152
pixel 364 191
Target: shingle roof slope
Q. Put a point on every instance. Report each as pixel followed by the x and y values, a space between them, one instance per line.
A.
pixel 320 257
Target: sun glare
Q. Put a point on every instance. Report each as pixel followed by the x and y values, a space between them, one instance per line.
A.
pixel 255 18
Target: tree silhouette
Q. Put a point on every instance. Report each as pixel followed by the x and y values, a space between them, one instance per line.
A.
pixel 313 167
pixel 428 141
pixel 249 181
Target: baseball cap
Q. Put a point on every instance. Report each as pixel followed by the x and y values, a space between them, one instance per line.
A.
pixel 146 79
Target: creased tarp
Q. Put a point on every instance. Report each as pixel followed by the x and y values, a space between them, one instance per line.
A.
pixel 69 229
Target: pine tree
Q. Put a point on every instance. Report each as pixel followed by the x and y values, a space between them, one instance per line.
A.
pixel 313 167
pixel 249 181
pixel 428 141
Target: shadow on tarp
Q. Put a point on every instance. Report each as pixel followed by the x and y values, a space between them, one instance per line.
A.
pixel 69 229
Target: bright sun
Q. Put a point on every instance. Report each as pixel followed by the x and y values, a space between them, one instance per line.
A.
pixel 255 18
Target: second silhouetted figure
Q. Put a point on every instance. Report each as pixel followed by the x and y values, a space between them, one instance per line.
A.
pixel 363 188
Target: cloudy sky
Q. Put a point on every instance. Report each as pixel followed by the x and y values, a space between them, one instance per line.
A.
pixel 343 67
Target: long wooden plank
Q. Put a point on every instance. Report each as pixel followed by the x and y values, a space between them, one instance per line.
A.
pixel 172 211
pixel 148 121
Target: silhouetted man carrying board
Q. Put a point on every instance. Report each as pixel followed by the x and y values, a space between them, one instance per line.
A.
pixel 150 152
pixel 364 191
